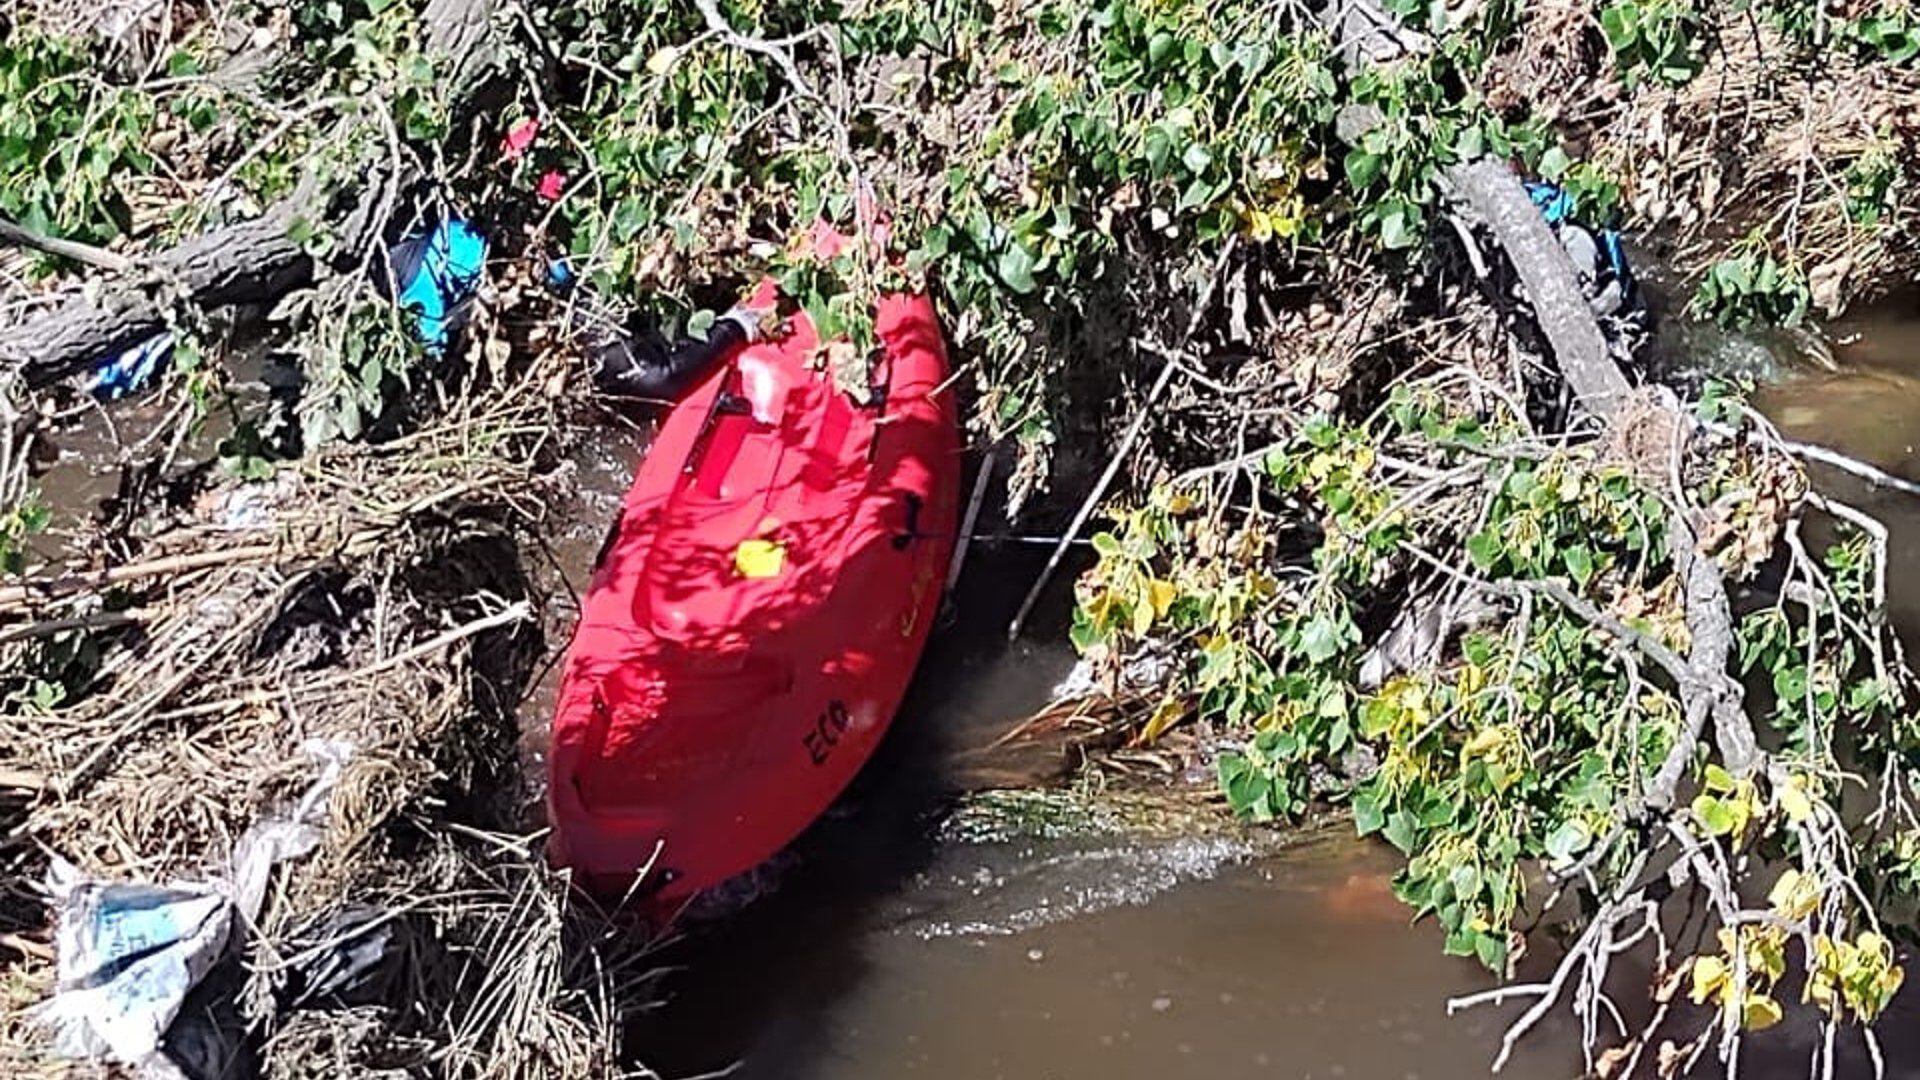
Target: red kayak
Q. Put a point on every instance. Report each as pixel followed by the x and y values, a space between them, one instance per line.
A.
pixel 755 618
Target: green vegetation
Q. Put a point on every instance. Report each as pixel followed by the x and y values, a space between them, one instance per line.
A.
pixel 1543 734
pixel 1660 40
pixel 1753 286
pixel 65 139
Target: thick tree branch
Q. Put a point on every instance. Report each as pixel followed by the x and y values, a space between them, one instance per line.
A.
pixel 1494 195
pixel 255 261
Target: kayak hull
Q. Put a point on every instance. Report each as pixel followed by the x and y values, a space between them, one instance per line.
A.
pixel 757 613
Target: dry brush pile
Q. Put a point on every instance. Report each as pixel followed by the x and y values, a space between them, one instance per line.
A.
pixel 369 607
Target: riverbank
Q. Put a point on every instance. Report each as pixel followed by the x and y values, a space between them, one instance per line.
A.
pixel 1376 463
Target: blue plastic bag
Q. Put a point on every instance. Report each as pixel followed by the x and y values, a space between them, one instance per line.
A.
pixel 437 273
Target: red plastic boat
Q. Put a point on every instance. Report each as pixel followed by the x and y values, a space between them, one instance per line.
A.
pixel 755 618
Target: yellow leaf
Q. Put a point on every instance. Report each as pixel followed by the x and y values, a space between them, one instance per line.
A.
pixel 1795 895
pixel 662 61
pixel 1819 991
pixel 760 558
pixel 1795 802
pixel 1171 709
pixel 1709 975
pixel 1890 982
pixel 1761 1013
pixel 1161 594
pixel 1483 741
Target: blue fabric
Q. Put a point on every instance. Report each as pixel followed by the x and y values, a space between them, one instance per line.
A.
pixel 438 274
pixel 121 374
pixel 1559 208
pixel 1617 258
pixel 1553 202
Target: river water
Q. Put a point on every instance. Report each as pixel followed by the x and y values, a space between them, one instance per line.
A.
pixel 890 947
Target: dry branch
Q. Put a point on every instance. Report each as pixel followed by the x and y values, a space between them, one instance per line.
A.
pixel 1494 195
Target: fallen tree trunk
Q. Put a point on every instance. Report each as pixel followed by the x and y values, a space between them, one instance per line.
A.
pixel 255 261
pixel 1494 195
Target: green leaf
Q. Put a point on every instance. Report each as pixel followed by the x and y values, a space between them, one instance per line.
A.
pixel 1617 24
pixel 1579 560
pixel 1321 432
pixel 1402 831
pixel 1790 684
pixel 1319 639
pixel 1485 550
pixel 1016 268
pixel 1160 47
pixel 1159 146
pixel 1492 951
pixel 1367 814
pixel 1717 779
pixel 1465 880
pixel 1714 816
pixel 1398 228
pixel 1567 841
pixel 1363 168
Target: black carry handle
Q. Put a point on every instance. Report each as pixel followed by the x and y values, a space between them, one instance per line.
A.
pixel 914 505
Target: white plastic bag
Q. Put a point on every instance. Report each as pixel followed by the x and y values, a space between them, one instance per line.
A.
pixel 129 952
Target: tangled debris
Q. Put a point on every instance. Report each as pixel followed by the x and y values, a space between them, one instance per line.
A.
pixel 1780 148
pixel 372 599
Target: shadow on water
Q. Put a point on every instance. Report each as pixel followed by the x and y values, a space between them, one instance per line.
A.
pixel 771 974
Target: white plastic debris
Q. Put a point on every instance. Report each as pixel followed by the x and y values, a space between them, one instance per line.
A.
pixel 1146 670
pixel 129 952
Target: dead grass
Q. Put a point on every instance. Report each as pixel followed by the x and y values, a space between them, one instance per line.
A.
pixel 1755 146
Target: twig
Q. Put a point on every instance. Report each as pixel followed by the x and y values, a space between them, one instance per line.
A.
pixel 980 483
pixel 26 947
pixel 16 596
pixel 22 780
pixel 1120 455
pixel 13 233
pixel 1853 466
pixel 518 611
pixel 97 620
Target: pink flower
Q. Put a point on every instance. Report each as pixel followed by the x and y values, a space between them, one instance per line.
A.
pixel 826 241
pixel 552 184
pixel 519 137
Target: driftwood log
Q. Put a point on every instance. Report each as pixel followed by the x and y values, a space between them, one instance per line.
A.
pixel 255 261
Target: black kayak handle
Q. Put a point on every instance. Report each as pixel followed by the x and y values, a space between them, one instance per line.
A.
pixel 914 506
